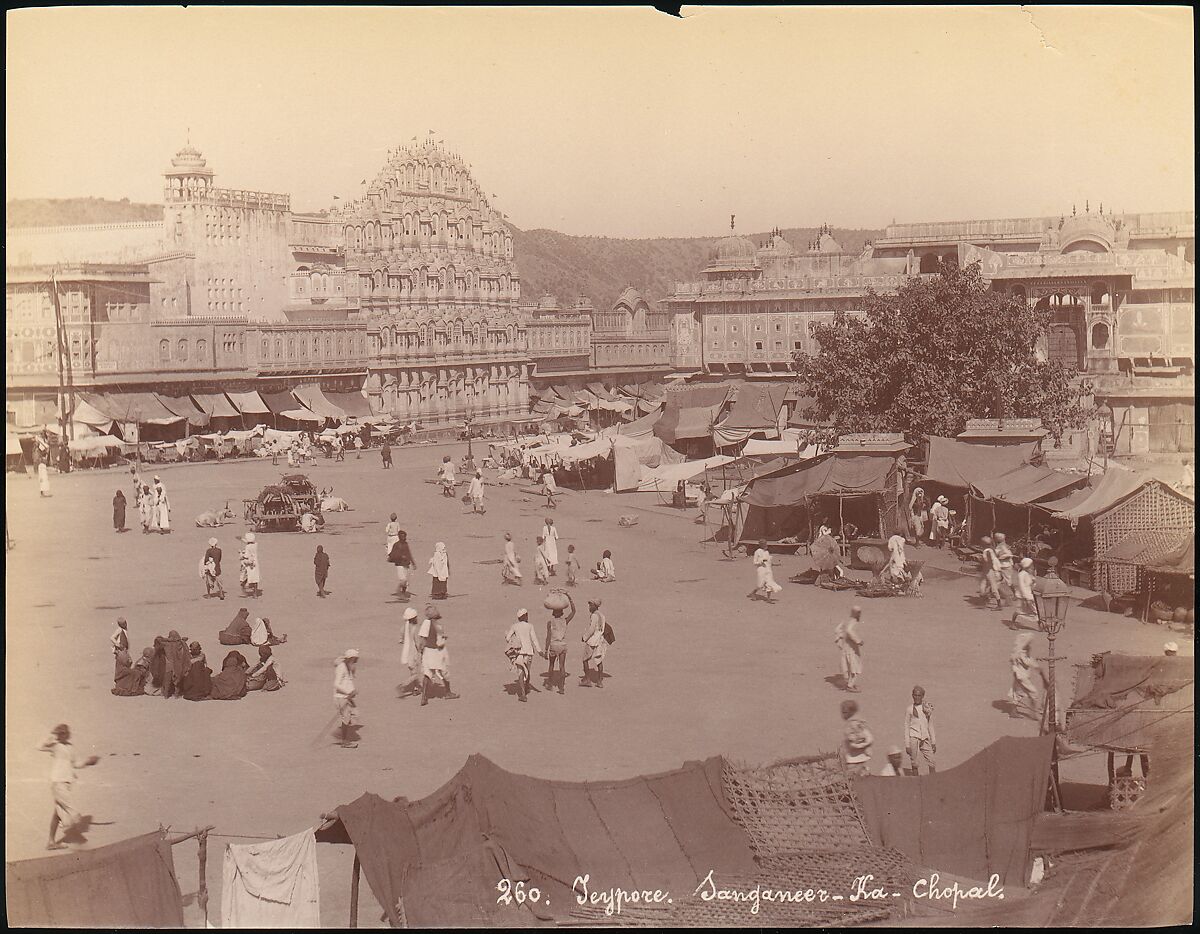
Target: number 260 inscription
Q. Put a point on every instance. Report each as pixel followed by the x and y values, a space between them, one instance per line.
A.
pixel 518 892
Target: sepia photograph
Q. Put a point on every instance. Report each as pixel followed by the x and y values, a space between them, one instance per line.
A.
pixel 748 453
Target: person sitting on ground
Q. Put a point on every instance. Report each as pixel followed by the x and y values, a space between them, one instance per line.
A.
pixel 605 570
pixel 197 683
pixel 261 633
pixel 131 681
pixel 265 675
pixel 309 522
pixel 177 659
pixel 238 631
pixel 230 684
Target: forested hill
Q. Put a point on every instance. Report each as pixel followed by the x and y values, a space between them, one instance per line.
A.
pixel 563 265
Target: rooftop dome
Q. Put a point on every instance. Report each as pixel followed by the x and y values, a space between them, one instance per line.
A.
pixel 780 245
pixel 189 161
pixel 734 252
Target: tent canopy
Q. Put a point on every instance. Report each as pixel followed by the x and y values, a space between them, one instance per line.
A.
pixel 1028 484
pixel 961 464
pixel 632 453
pixel 682 424
pixel 855 475
pixel 314 400
pixel 666 477
pixel 215 404
pixel 1179 560
pixel 804 414
pixel 285 404
pixel 140 407
pixel 600 392
pixel 352 403
pixel 184 407
pixel 249 403
pixel 432 855
pixel 756 407
pixel 1116 485
pixel 789 444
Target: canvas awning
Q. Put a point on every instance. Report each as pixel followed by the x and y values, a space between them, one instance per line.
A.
pixel 1026 484
pixel 86 414
pixel 632 454
pixel 249 403
pixel 600 447
pixel 184 407
pixel 1116 485
pixel 1176 552
pixel 804 414
pixel 845 476
pixel 12 445
pixel 586 399
pixel 600 392
pixel 138 407
pixel 215 405
pixel 638 428
pixel 789 444
pixel 963 464
pixel 682 424
pixel 756 407
pixel 313 399
pixel 352 403
pixel 666 477
pixel 285 404
pixel 1179 560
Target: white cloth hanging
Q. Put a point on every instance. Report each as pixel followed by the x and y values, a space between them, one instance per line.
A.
pixel 272 884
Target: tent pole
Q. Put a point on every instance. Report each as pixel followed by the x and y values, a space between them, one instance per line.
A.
pixel 354 892
pixel 202 892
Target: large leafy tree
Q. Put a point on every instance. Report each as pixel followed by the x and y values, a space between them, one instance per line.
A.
pixel 939 350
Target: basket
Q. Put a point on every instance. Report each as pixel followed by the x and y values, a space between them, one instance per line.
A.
pixel 556 600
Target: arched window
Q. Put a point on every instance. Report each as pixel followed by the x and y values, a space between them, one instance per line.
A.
pixel 266 348
pixel 164 351
pixel 1100 336
pixel 201 348
pixel 279 348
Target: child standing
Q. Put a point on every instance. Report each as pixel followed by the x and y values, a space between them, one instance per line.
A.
pixel 572 567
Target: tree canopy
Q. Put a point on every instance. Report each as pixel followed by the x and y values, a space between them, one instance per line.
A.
pixel 938 351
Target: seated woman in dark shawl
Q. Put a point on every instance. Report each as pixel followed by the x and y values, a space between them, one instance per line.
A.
pixel 230 684
pixel 238 631
pixel 265 675
pixel 131 681
pixel 158 665
pixel 197 683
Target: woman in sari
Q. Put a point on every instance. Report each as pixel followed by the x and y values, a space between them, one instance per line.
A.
pixel 238 630
pixel 197 683
pixel 439 570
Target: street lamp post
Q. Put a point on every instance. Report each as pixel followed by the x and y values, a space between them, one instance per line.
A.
pixel 1052 599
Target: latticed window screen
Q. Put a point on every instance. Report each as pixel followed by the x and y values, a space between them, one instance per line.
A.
pixel 1155 515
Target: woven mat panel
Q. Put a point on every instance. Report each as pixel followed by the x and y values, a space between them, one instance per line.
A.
pixel 796 805
pixel 779 877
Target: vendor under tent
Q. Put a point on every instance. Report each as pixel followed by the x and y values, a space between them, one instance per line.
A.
pixel 1128 504
pixel 313 399
pixel 354 404
pixel 792 502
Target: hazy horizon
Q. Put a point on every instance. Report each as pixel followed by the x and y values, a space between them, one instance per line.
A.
pixel 623 122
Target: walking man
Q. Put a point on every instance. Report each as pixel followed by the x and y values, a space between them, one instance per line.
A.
pixel 212 570
pixel 550 488
pixel 392 533
pixel 410 652
pixel 556 644
pixel 435 656
pixel 321 570
pixel 62 782
pixel 573 567
pixel 550 538
pixel 939 524
pixel 522 646
pixel 476 492
pixel 344 696
pixel 989 573
pixel 447 475
pixel 919 740
pixel 846 637
pixel 162 507
pixel 766 588
pixel 402 557
pixel 1005 556
pixel 119 511
pixel 386 454
pixel 595 647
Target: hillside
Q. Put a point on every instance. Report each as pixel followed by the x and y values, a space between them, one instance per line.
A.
pixel 64 212
pixel 563 265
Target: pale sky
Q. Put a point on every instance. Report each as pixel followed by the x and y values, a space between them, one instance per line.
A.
pixel 623 122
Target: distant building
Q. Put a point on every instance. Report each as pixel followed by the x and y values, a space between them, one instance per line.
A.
pixel 560 339
pixel 631 342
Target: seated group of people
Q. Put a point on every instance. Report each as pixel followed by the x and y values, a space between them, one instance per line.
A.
pixel 174 668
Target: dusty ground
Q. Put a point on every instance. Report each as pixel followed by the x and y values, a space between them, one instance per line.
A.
pixel 697 669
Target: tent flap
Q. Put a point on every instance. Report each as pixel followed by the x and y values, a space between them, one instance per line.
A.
pixel 352 403
pixel 855 475
pixel 961 464
pixel 249 403
pixel 313 399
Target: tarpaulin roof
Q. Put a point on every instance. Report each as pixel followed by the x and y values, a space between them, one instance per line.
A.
pixel 12 444
pixel 962 464
pixel 804 414
pixel 1027 484
pixel 1176 551
pixel 691 397
pixel 585 398
pixel 757 406
pixel 249 403
pixel 600 392
pixel 788 444
pixel 661 831
pixel 97 443
pixel 600 447
pixel 613 405
pixel 1115 486
pixel 352 403
pixel 143 407
pixel 184 407
pixel 680 424
pixel 973 820
pixel 631 453
pixel 312 398
pixel 86 414
pixel 215 404
pixel 864 473
pixel 130 884
pixel 649 405
pixel 285 404
pixel 638 428
pixel 1180 560
pixel 665 478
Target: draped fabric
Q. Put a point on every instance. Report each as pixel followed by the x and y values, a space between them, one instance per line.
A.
pixel 973 820
pixel 962 464
pixel 138 407
pixel 249 403
pixel 130 884
pixel 285 404
pixel 215 404
pixel 1116 485
pixel 864 473
pixel 313 399
pixel 682 424
pixel 272 884
pixel 633 455
pixel 653 832
pixel 184 407
pixel 1028 484
pixel 352 403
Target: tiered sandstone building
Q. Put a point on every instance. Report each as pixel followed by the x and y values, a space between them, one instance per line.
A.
pixel 1121 289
